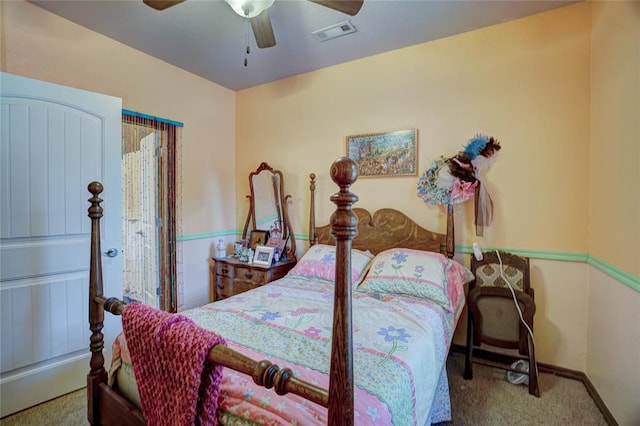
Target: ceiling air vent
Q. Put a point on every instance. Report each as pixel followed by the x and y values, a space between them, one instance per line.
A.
pixel 337 30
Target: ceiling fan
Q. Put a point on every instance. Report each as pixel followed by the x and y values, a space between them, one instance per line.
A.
pixel 256 12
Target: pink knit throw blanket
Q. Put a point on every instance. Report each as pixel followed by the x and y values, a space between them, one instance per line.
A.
pixel 168 352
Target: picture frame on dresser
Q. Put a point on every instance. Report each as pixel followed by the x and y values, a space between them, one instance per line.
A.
pixel 263 255
pixel 258 237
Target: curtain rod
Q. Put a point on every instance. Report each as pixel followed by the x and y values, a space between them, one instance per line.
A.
pixel 151 117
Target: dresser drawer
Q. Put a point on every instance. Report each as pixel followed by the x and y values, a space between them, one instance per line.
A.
pixel 227 287
pixel 225 270
pixel 224 287
pixel 258 276
pixel 229 276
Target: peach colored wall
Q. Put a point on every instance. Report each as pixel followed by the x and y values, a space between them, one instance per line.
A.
pixel 41 45
pixel 614 209
pixel 525 82
pixel 613 340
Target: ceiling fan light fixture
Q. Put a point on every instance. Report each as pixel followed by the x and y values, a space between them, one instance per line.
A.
pixel 249 8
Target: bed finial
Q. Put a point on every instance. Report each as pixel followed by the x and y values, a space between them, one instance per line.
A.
pixel 344 172
pixel 344 222
pixel 95 188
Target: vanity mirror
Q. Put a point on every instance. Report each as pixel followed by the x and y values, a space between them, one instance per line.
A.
pixel 268 210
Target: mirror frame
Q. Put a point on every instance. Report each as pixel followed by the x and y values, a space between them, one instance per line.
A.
pixel 290 247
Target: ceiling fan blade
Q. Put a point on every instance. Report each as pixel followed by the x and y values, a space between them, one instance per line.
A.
pixel 161 4
pixel 262 30
pixel 350 7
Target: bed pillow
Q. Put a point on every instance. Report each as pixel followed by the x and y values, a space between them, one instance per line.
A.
pixel 320 260
pixel 418 273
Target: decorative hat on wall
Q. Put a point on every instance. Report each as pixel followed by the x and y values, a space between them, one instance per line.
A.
pixel 456 179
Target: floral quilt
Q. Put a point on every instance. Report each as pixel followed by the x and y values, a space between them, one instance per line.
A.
pixel 400 349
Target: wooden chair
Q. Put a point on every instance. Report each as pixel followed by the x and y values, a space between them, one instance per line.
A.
pixel 492 315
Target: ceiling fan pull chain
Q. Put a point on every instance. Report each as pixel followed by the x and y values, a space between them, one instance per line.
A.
pixel 246 41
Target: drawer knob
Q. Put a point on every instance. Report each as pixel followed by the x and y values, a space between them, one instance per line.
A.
pixel 224 270
pixel 248 274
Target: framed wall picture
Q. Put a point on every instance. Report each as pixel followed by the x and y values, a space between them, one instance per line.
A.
pixel 385 154
pixel 263 255
pixel 258 238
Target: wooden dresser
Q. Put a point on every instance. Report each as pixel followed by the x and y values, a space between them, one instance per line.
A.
pixel 229 276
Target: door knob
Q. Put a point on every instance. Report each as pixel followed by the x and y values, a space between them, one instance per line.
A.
pixel 112 252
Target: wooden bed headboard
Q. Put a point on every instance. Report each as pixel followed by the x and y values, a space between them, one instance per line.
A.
pixel 386 228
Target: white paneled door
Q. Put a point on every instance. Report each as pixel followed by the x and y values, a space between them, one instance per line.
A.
pixel 55 140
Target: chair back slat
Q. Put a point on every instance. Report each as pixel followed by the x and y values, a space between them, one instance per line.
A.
pixel 514 268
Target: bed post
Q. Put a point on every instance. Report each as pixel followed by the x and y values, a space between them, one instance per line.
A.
pixel 313 238
pixel 450 239
pixel 97 373
pixel 344 221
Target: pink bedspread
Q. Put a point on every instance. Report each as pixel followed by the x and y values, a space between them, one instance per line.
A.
pixel 400 349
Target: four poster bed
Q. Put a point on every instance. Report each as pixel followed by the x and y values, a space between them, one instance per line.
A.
pixel 371 354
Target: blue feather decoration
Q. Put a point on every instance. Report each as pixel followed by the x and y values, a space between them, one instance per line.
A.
pixel 475 146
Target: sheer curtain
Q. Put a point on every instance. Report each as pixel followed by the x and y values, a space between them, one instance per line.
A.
pixel 150 190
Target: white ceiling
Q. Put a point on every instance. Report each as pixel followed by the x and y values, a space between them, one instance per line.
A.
pixel 207 38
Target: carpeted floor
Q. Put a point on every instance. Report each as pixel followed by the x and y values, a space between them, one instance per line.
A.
pixel 68 410
pixel 488 399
